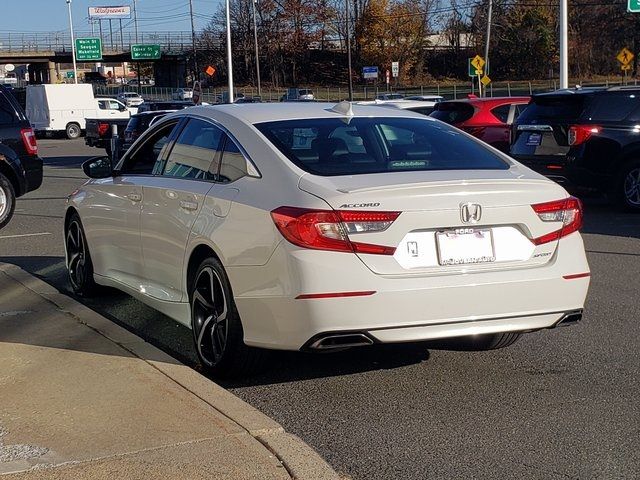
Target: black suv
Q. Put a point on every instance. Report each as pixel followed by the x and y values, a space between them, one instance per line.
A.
pixel 586 139
pixel 20 166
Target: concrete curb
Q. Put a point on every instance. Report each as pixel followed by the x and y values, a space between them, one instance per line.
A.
pixel 300 460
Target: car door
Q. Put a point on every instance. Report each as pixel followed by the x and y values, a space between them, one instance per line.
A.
pixel 112 223
pixel 172 202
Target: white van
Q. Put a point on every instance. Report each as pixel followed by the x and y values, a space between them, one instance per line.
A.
pixel 64 108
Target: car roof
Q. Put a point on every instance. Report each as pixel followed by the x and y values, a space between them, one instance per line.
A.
pixel 490 100
pixel 403 103
pixel 251 113
pixel 153 113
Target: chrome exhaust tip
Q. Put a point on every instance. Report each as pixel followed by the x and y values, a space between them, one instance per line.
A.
pixel 333 341
pixel 569 318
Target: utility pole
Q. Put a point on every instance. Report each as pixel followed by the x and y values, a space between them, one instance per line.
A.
pixel 488 40
pixel 564 44
pixel 348 35
pixel 229 59
pixel 73 44
pixel 255 39
pixel 135 19
pixel 196 71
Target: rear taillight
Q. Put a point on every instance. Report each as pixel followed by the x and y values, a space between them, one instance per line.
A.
pixel 103 128
pixel 579 134
pixel 330 229
pixel 29 140
pixel 567 211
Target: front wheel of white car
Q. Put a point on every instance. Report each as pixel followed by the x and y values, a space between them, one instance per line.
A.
pixel 216 325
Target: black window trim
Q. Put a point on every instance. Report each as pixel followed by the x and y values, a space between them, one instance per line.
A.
pixel 177 129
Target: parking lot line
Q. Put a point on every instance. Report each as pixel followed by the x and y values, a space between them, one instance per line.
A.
pixel 25 235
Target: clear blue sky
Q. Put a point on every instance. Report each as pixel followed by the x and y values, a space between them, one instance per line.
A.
pixel 25 16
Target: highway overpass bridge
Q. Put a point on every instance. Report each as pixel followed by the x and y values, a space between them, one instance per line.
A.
pixel 45 52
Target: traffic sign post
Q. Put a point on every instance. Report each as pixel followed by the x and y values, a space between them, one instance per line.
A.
pixel 395 69
pixel 145 52
pixel 197 93
pixel 633 6
pixel 88 49
pixel 476 65
pixel 387 75
pixel 370 73
pixel 625 57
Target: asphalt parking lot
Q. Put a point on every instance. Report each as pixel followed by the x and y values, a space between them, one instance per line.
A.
pixel 558 404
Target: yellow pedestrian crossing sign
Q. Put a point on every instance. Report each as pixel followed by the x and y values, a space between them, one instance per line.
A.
pixel 625 57
pixel 485 80
pixel 478 62
pixel 625 67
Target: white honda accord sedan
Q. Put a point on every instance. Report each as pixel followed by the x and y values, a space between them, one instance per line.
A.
pixel 319 226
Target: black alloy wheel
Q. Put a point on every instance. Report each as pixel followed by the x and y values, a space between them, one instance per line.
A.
pixel 79 265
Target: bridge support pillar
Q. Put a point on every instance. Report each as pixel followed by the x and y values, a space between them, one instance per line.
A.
pixel 41 73
pixel 53 72
pixel 170 72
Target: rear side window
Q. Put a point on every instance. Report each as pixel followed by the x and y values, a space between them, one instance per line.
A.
pixel 329 146
pixel 233 165
pixel 196 153
pixel 502 112
pixel 554 107
pixel 7 112
pixel 453 112
pixel 611 107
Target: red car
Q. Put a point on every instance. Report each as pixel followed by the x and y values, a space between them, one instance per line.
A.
pixel 489 119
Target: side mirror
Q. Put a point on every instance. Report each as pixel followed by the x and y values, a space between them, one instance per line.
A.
pixel 98 167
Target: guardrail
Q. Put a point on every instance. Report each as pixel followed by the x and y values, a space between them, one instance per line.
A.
pixel 118 42
pixel 333 94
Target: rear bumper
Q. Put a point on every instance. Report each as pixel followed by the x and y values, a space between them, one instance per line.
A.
pixel 32 166
pixel 565 170
pixel 402 309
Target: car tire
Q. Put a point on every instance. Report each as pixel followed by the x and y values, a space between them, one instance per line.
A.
pixel 79 264
pixel 73 131
pixel 7 200
pixel 488 341
pixel 217 329
pixel 627 187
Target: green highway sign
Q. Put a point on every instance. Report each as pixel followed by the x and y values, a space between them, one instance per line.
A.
pixel 70 74
pixel 634 6
pixel 145 52
pixel 88 49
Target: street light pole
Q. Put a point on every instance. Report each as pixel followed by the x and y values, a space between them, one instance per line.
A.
pixel 73 44
pixel 229 60
pixel 564 44
pixel 255 39
pixel 348 35
pixel 135 18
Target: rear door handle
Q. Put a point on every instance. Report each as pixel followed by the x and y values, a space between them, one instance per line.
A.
pixel 134 197
pixel 188 205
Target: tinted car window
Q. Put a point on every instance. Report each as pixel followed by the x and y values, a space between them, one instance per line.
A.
pixel 233 165
pixel 388 145
pixel 453 112
pixel 426 111
pixel 196 152
pixel 554 107
pixel 519 108
pixel 613 106
pixel 7 112
pixel 501 112
pixel 144 160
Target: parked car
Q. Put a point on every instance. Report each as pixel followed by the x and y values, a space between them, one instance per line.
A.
pixel 313 226
pixel 389 96
pixel 183 94
pixel 130 99
pixel 248 100
pixel 139 123
pixel 586 139
pixel 426 98
pixel 20 165
pixel 100 132
pixel 169 105
pixel 298 95
pixel 489 119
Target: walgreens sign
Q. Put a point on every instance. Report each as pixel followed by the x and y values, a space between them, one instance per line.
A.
pixel 106 13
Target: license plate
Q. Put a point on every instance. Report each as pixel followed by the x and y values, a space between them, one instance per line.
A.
pixel 534 139
pixel 465 246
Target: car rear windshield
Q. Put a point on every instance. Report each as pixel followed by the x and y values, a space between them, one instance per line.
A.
pixel 554 108
pixel 453 112
pixel 340 146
